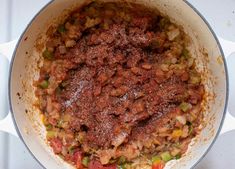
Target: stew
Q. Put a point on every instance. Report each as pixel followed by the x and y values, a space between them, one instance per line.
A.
pixel 119 88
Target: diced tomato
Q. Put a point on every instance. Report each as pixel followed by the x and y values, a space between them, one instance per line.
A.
pixel 97 165
pixel 52 121
pixel 56 144
pixel 77 158
pixel 158 165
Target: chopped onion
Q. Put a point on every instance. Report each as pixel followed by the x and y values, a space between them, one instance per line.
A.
pixel 175 151
pixel 106 155
pixel 70 43
pixel 62 49
pixel 118 140
pixel 181 119
pixel 164 67
pixel 90 22
pixel 173 60
pixel 173 34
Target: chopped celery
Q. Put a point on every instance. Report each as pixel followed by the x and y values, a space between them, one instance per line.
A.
pixel 106 26
pixel 49 127
pixel 166 156
pixel 185 106
pixel 190 129
pixel 61 28
pixel 47 54
pixel 178 156
pixel 51 134
pixel 125 166
pixel 85 161
pixel 185 53
pixel 71 149
pixel 164 22
pixel 60 123
pixel 121 160
pixel 44 84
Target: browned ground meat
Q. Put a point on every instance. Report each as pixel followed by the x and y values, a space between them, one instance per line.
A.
pixel 113 78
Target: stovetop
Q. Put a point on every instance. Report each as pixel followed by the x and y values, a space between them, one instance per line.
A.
pixel 14 16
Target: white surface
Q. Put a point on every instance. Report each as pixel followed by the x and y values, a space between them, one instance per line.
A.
pixel 220 14
pixel 4 20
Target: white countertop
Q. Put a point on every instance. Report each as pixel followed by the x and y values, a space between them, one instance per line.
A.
pixel 14 16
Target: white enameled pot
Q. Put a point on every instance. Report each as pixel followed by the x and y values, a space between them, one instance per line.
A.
pixel 24 69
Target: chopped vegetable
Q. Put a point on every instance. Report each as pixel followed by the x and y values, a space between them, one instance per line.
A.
pixel 85 161
pixel 164 67
pixel 190 129
pixel 177 66
pixel 56 144
pixel 178 156
pixel 71 149
pixel 125 166
pixel 188 123
pixel 97 165
pixel 44 84
pixel 185 106
pixel 108 62
pixel 122 160
pixel 159 165
pixel 64 84
pixel 60 123
pixel 58 90
pixel 112 161
pixel 156 159
pixel 185 53
pixel 51 134
pixel 177 133
pixel 62 49
pixel 47 54
pixel 190 62
pixel 80 137
pixel 181 119
pixel 166 156
pixel 172 34
pixel 195 79
pixel 78 159
pixel 49 127
pixel 70 43
pixel 146 66
pixel 164 22
pixel 106 26
pixel 91 11
pixel 90 22
pixel 175 151
pixel 61 28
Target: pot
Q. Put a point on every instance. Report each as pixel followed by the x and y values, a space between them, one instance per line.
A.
pixel 24 69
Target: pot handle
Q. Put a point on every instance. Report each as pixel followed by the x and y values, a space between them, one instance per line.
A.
pixel 6 50
pixel 229 52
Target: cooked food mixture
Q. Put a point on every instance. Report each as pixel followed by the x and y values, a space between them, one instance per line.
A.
pixel 118 88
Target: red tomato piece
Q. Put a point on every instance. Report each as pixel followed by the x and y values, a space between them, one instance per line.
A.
pixel 158 166
pixel 77 158
pixel 98 165
pixel 56 144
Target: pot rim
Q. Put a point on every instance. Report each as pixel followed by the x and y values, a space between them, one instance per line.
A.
pixel 188 4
